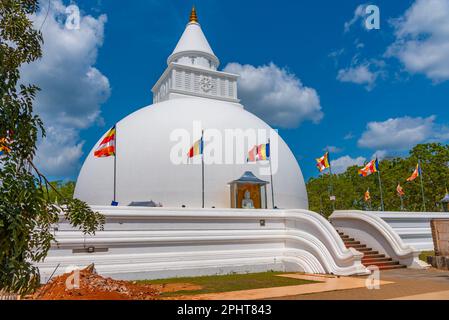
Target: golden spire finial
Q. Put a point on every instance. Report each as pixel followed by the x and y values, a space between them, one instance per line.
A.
pixel 193 16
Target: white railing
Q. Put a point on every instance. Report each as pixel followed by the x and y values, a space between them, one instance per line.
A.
pixel 369 228
pixel 144 243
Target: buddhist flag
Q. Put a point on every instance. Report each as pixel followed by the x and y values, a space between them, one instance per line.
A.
pixel 400 191
pixel 259 153
pixel 323 162
pixel 367 196
pixel 197 149
pixel 415 174
pixel 107 145
pixel 252 154
pixel 4 149
pixel 263 152
pixel 370 168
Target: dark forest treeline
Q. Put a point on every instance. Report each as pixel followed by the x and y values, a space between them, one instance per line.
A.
pixel 349 187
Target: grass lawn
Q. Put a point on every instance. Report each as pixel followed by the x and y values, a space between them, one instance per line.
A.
pixel 232 282
pixel 423 256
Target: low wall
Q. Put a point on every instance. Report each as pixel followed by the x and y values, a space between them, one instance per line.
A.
pixel 143 243
pixel 371 229
pixel 413 227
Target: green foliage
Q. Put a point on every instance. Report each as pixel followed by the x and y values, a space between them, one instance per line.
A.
pixel 61 188
pixel 350 188
pixel 27 209
pixel 230 283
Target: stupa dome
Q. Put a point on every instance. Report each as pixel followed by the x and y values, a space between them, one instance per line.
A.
pixel 189 92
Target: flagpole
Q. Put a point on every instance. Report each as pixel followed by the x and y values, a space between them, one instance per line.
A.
pixel 370 205
pixel 115 167
pixel 271 174
pixel 202 166
pixel 400 196
pixel 331 185
pixel 422 185
pixel 381 192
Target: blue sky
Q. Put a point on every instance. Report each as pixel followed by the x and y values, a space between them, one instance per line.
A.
pixel 379 90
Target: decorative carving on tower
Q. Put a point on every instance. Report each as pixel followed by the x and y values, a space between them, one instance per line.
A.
pixel 192 70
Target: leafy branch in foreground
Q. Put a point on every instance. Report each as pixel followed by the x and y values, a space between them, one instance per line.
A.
pixel 27 212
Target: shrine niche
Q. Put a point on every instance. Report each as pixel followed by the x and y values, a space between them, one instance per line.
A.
pixel 248 192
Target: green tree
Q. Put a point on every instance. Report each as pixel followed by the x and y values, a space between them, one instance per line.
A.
pixel 61 190
pixel 350 188
pixel 26 210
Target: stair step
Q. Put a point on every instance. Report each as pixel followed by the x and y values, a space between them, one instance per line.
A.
pixel 351 243
pixel 399 266
pixel 358 246
pixel 375 260
pixel 382 264
pixel 373 256
pixel 367 251
pixel 370 256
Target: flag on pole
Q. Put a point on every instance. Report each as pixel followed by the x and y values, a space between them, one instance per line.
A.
pixel 259 153
pixel 263 152
pixel 367 196
pixel 416 173
pixel 252 154
pixel 323 162
pixel 107 145
pixel 4 149
pixel 370 168
pixel 197 149
pixel 400 191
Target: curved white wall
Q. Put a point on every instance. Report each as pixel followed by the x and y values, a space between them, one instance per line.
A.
pixel 413 227
pixel 370 229
pixel 155 243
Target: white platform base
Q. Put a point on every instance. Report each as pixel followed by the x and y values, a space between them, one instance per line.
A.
pixel 142 243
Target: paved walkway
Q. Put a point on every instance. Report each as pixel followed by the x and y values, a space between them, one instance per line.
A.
pixel 403 284
pixel 326 283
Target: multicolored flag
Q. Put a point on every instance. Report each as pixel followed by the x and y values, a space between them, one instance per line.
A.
pixel 263 152
pixel 323 162
pixel 370 168
pixel 367 196
pixel 259 153
pixel 415 174
pixel 252 154
pixel 400 191
pixel 107 145
pixel 197 149
pixel 4 149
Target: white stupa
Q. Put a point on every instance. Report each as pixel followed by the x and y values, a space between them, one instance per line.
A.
pixel 191 90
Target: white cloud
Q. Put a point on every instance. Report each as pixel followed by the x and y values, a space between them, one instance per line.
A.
pixel 276 95
pixel 59 153
pixel 362 74
pixel 359 13
pixel 72 89
pixel 379 154
pixel 349 136
pixel 341 164
pixel 333 149
pixel 422 39
pixel 399 134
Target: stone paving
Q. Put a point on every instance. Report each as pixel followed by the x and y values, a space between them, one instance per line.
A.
pixel 325 283
pixel 403 284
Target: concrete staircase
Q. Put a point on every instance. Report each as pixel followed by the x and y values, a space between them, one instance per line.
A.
pixel 370 256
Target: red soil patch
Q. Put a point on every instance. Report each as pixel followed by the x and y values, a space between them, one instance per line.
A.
pixel 94 287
